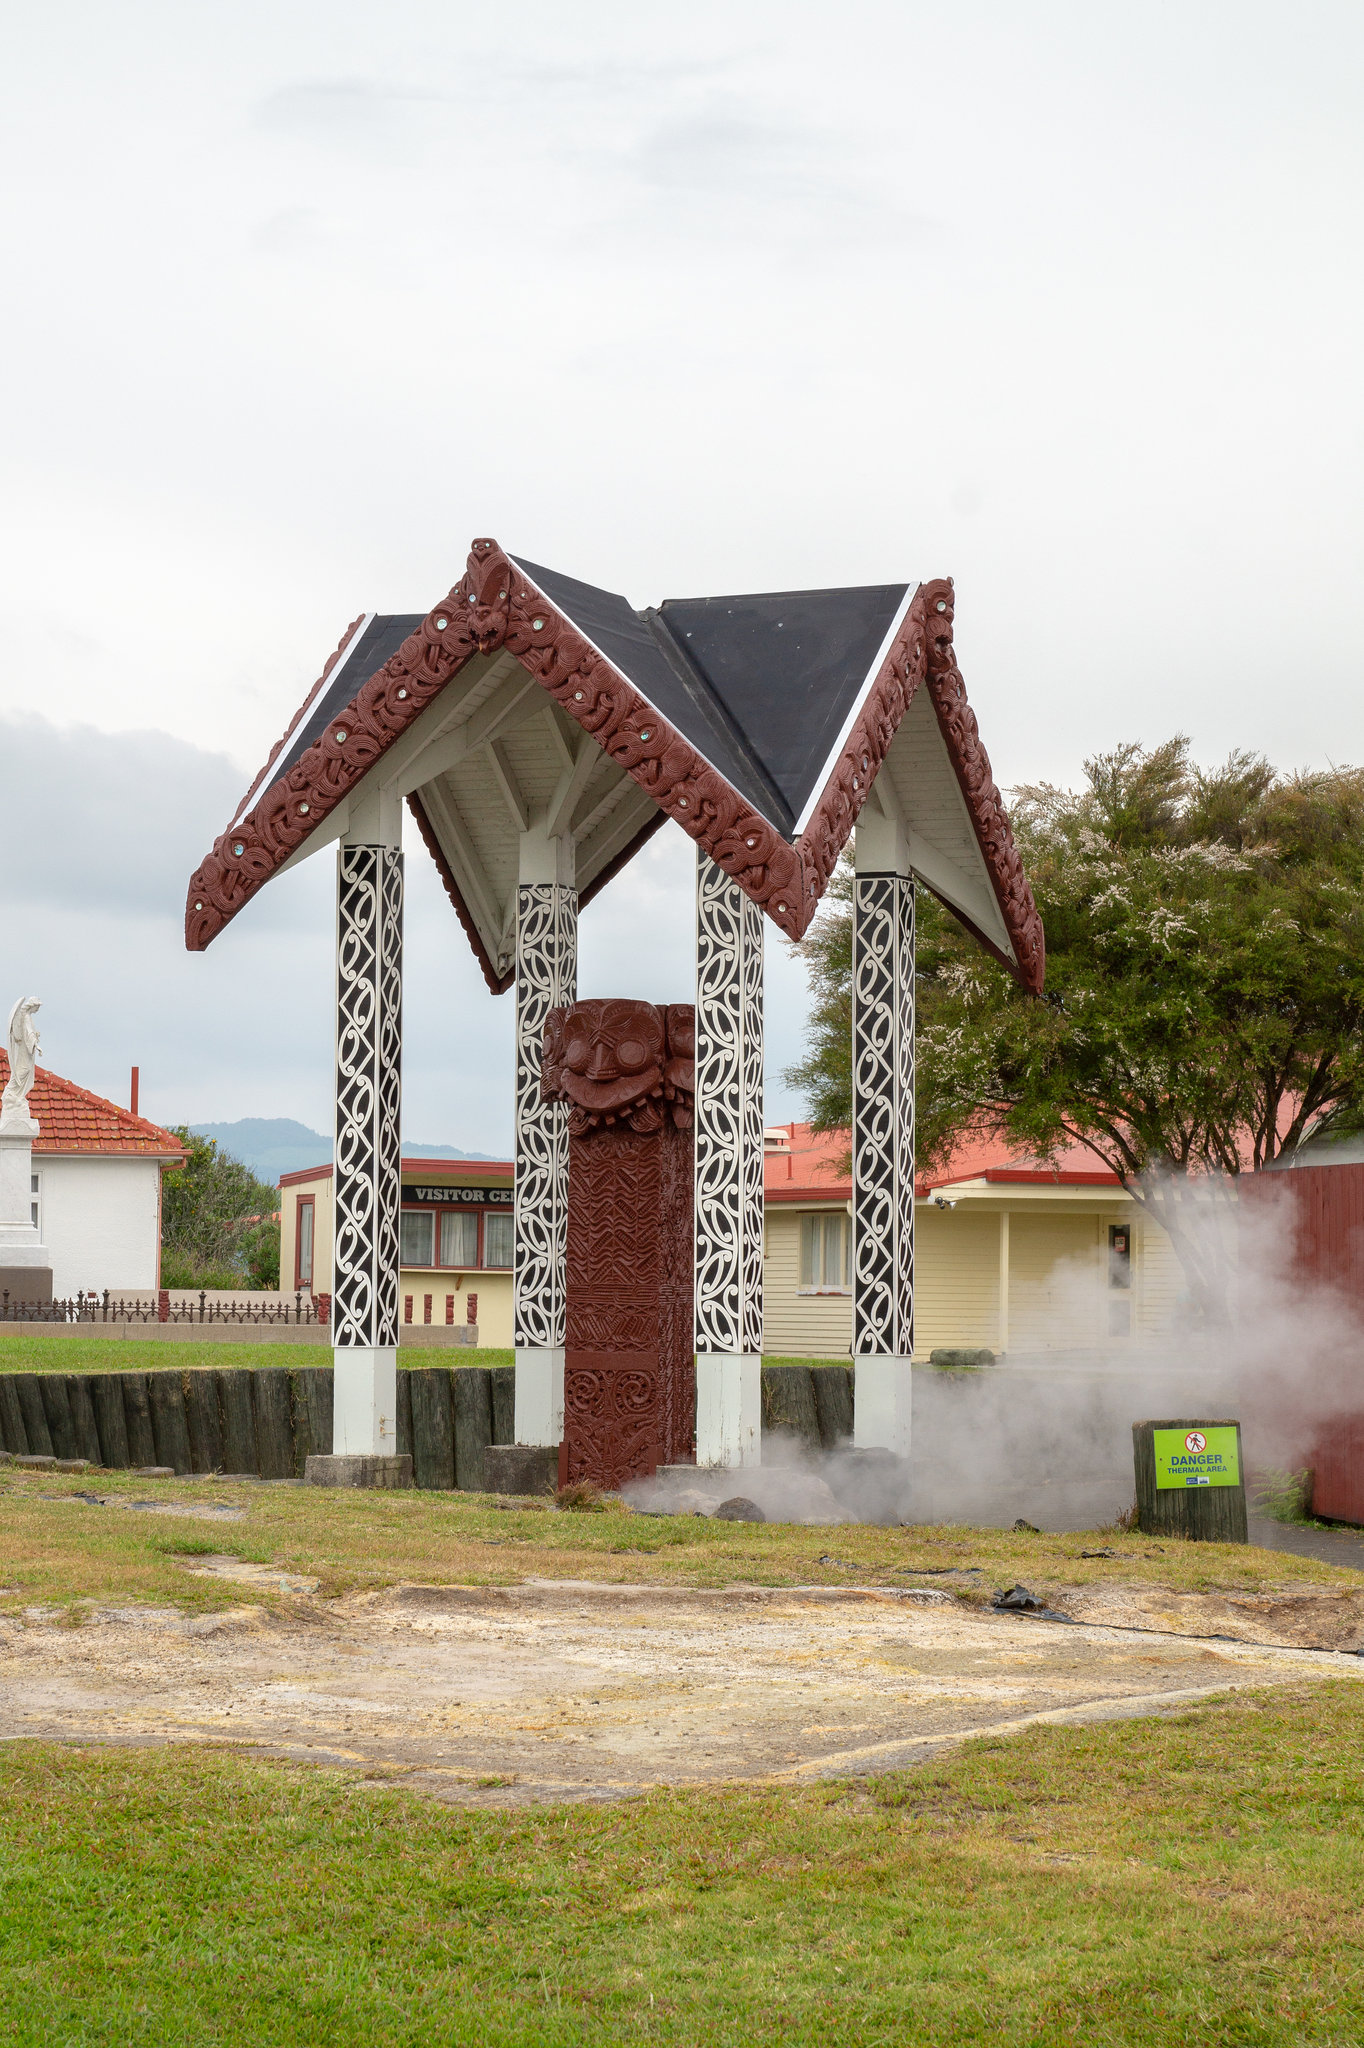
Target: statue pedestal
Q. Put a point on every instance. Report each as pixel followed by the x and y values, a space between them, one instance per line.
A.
pixel 25 1263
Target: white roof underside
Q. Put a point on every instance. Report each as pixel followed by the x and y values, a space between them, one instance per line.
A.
pixel 491 758
pixel 494 757
pixel 918 780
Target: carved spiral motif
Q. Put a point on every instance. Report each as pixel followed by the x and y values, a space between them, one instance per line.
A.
pixel 729 1128
pixel 883 1116
pixel 368 1095
pixel 546 978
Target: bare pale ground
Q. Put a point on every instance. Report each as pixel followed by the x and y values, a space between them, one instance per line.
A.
pixel 554 1690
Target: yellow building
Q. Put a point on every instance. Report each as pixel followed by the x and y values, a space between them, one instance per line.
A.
pixel 1009 1255
pixel 455 1243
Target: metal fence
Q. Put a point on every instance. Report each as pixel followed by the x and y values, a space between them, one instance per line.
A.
pixel 159 1308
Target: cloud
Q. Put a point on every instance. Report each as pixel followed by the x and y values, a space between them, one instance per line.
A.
pixel 346 113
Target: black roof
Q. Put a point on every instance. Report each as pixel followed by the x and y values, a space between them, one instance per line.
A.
pixel 381 639
pixel 761 685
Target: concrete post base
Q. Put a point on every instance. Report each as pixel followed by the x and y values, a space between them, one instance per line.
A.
pixel 540 1396
pixel 729 1408
pixel 521 1468
pixel 365 1402
pixel 328 1469
pixel 882 1395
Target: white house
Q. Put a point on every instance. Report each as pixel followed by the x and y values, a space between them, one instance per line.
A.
pixel 96 1187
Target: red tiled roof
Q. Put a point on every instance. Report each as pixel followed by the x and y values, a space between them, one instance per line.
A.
pixel 71 1119
pixel 809 1170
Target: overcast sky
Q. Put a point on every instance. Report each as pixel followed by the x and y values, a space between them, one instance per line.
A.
pixel 1063 300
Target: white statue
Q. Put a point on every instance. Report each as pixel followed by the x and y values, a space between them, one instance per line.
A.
pixel 24 1049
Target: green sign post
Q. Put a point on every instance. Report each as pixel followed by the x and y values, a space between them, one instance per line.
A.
pixel 1190 1480
pixel 1197 1457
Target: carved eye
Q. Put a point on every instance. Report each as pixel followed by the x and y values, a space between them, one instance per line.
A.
pixel 576 1051
pixel 632 1055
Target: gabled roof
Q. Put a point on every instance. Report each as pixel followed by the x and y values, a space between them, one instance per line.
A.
pixel 803 1165
pixel 71 1119
pixel 758 723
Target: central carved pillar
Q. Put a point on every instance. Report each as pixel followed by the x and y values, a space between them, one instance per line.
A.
pixel 625 1072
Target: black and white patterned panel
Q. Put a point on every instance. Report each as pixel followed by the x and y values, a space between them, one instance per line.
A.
pixel 729 1114
pixel 883 1116
pixel 546 977
pixel 369 1043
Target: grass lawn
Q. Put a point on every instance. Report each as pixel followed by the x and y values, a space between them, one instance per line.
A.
pixel 30 1348
pixel 1198 1879
pixel 56 1548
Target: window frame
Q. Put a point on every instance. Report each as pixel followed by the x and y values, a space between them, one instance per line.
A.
pixel 484 1217
pixel 406 1264
pixel 302 1280
pixel 445 1265
pixel 816 1222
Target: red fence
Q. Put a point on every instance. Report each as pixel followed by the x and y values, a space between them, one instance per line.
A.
pixel 1323 1207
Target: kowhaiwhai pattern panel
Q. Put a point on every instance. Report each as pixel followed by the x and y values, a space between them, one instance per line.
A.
pixel 883 1116
pixel 546 979
pixel 729 1114
pixel 369 1027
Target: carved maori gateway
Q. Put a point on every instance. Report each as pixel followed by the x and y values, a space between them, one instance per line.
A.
pixel 540 729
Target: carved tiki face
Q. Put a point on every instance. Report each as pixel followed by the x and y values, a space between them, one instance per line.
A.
pixel 606 1056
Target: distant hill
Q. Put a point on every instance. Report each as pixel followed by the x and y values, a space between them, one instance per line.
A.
pixel 272 1145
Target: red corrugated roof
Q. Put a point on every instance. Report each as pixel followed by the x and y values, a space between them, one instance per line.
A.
pixel 71 1119
pixel 807 1167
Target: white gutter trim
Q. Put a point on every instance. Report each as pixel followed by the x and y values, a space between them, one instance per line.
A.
pixel 911 592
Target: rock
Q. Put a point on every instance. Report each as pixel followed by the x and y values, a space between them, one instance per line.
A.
pixel 1022 1528
pixel 521 1468
pixel 357 1469
pixel 154 1472
pixel 688 1500
pixel 738 1509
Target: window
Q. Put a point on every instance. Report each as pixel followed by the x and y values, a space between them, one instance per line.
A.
pixel 825 1254
pixel 303 1241
pixel 459 1237
pixel 1120 1279
pixel 417 1241
pixel 497 1237
pixel 33 1204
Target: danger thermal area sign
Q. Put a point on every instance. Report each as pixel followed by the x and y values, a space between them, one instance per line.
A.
pixel 1197 1457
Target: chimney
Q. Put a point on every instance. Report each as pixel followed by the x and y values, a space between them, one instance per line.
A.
pixel 132 1092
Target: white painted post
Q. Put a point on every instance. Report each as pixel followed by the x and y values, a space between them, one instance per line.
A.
pixel 367 1178
pixel 883 1134
pixel 728 1170
pixel 546 979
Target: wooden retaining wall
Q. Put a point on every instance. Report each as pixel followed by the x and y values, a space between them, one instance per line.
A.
pixel 266 1421
pixel 263 1422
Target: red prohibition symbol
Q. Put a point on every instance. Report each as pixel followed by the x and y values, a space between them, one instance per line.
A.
pixel 1195 1441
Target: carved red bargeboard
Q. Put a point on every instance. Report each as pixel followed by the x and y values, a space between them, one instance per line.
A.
pixel 624 1071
